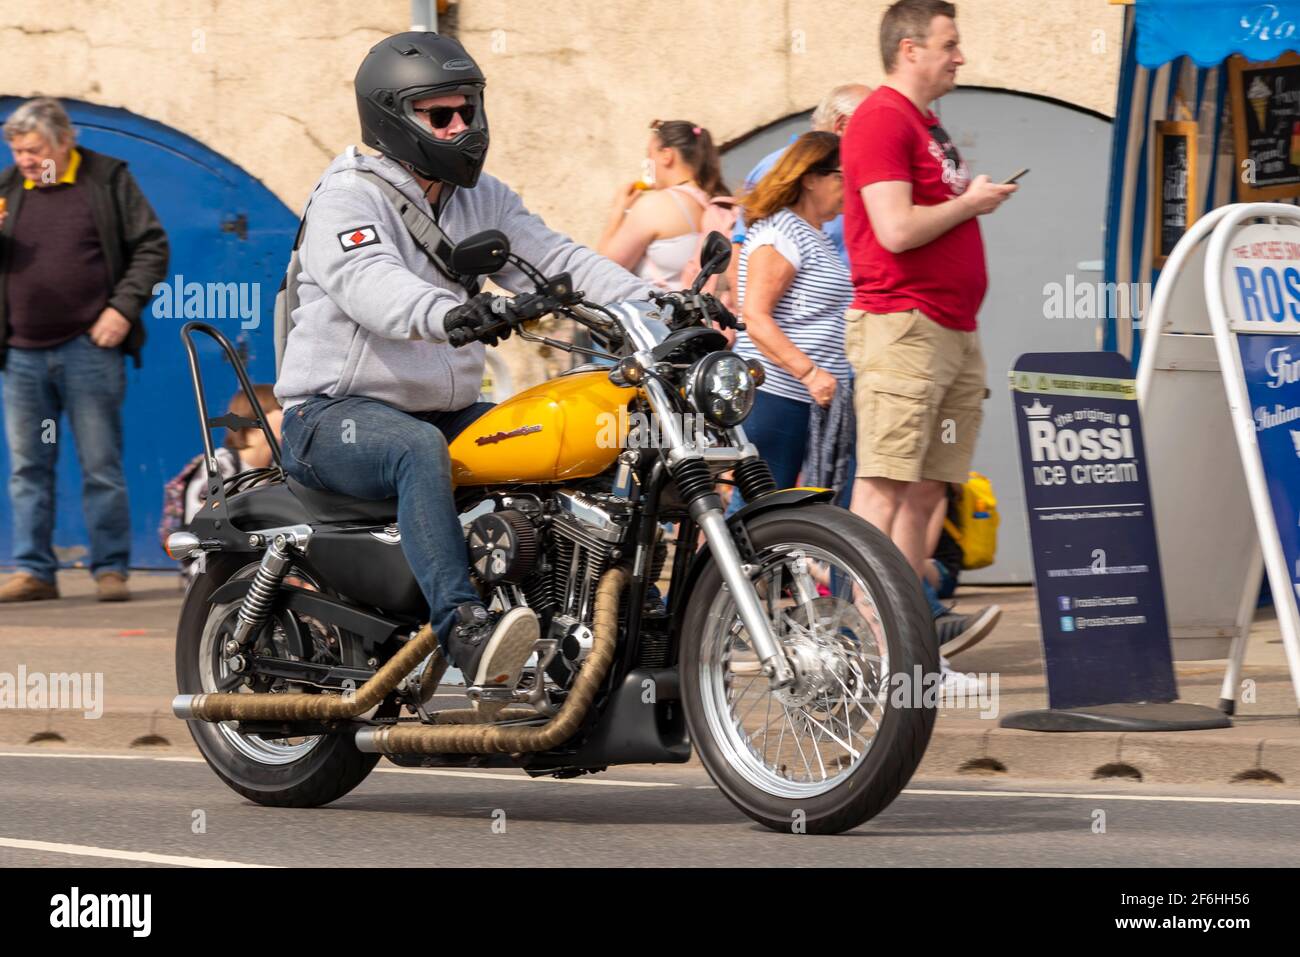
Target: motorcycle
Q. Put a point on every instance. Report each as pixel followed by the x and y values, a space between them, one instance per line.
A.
pixel 302 653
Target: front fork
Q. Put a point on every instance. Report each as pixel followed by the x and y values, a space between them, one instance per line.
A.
pixel 696 487
pixel 725 553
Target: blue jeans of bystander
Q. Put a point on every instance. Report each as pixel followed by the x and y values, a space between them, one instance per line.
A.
pixel 89 384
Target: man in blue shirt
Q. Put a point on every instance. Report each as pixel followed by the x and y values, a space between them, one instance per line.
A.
pixel 831 115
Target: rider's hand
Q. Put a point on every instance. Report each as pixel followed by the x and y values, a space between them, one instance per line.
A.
pixel 717 312
pixel 475 315
pixel 983 195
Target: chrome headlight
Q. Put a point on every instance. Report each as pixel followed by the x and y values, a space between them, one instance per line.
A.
pixel 722 386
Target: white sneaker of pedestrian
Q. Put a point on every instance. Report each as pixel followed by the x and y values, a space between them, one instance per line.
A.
pixel 955 684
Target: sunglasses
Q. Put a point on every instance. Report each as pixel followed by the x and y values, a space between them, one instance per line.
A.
pixel 440 116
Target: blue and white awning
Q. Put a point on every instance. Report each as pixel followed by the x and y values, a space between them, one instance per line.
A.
pixel 1145 97
pixel 1209 31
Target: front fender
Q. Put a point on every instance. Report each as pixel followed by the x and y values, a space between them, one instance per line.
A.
pixel 782 498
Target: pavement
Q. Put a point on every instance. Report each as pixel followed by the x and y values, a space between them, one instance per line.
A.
pixel 131 646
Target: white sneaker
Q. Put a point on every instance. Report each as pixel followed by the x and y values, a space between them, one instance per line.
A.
pixel 955 684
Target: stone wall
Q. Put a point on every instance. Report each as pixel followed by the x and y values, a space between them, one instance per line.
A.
pixel 572 87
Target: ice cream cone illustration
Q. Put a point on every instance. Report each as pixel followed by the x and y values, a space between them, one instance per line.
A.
pixel 1258 95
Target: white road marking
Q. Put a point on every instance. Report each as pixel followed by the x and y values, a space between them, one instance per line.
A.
pixel 96 757
pixel 144 857
pixel 1087 796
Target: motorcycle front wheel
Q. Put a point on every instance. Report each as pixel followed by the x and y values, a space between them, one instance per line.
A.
pixel 835 748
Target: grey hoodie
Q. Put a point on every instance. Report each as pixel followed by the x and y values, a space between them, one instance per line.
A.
pixel 371 304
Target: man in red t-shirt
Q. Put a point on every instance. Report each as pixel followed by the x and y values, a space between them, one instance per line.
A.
pixel 917 260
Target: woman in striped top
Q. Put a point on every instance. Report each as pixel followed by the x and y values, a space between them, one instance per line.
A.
pixel 794 289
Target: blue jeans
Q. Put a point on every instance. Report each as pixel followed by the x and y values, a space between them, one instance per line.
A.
pixel 937 607
pixel 370 450
pixel 89 384
pixel 778 427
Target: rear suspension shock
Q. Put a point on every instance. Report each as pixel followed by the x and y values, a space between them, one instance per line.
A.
pixel 256 606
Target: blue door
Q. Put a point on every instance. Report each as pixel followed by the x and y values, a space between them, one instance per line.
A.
pixel 224 226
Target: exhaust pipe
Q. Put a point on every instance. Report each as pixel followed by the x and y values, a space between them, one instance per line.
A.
pixel 308 707
pixel 457 735
pixel 455 738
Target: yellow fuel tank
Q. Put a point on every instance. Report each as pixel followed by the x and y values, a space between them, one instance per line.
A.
pixel 566 428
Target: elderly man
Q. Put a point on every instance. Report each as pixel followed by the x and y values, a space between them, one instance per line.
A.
pixel 80 251
pixel 832 115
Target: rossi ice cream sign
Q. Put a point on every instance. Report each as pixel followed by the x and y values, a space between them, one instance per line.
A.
pixel 1271 367
pixel 1261 280
pixel 1096 568
pixel 1262 299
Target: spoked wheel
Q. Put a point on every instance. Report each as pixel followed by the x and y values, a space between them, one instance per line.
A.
pixel 300 771
pixel 833 749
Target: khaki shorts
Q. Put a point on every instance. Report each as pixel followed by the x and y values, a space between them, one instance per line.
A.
pixel 918 393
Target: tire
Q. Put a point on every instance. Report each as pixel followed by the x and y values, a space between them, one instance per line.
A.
pixel 868 781
pixel 326 772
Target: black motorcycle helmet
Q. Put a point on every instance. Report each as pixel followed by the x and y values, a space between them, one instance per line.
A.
pixel 408 67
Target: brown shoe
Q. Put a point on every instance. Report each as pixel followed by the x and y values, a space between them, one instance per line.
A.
pixel 23 586
pixel 112 587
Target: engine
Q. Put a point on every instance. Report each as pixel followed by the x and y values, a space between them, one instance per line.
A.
pixel 551 554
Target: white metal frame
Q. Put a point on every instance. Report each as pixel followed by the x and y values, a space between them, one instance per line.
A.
pixel 1216 229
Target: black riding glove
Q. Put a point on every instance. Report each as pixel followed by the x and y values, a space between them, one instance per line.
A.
pixel 476 317
pixel 715 311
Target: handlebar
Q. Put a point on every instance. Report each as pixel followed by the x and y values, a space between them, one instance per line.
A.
pixel 553 295
pixel 559 296
pixel 697 306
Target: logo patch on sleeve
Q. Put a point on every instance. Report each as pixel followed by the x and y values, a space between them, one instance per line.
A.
pixel 358 236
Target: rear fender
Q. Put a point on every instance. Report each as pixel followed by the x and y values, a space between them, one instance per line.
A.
pixel 373 629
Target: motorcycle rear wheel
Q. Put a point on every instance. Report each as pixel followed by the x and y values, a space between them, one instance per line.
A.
pixel 274 772
pixel 835 749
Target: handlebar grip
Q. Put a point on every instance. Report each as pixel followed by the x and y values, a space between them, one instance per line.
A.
pixel 460 336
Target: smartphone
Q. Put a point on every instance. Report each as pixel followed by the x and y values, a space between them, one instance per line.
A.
pixel 1015 176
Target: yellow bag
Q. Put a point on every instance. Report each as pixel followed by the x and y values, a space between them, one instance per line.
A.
pixel 977 516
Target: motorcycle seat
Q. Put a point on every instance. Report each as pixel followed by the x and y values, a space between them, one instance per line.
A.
pixel 333 507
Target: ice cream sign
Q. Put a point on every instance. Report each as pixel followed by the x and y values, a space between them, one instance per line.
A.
pixel 1257 95
pixel 1261 280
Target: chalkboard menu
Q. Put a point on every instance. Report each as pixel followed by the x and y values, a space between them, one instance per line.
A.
pixel 1266 126
pixel 1175 186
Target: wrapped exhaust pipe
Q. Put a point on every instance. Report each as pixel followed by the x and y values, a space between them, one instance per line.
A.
pixel 306 707
pixel 494 739
pixel 457 736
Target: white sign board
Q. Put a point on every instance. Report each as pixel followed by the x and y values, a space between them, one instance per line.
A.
pixel 1219 386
